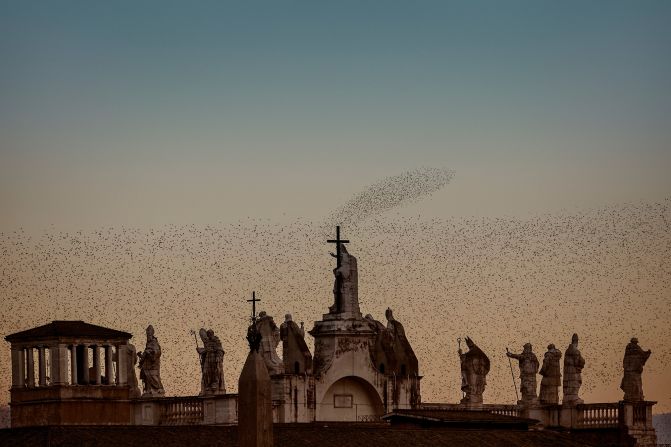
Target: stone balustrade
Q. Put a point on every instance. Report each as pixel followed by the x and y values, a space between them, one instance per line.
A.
pixel 598 415
pixel 181 411
pixel 507 410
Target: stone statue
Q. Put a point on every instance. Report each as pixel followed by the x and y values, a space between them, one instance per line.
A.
pixel 295 353
pixel 634 359
pixel 405 356
pixel 474 370
pixel 131 360
pixel 150 366
pixel 551 373
pixel 346 284
pixel 211 364
pixel 382 352
pixel 270 338
pixel 573 365
pixel 528 363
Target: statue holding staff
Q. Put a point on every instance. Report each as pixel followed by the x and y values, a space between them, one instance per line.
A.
pixel 528 363
pixel 211 363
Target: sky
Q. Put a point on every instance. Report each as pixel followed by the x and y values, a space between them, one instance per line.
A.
pixel 147 115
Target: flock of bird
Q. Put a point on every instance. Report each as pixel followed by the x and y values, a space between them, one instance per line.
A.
pixel 391 192
pixel 602 273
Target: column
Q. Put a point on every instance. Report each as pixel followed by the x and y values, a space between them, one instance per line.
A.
pixel 73 364
pixel 18 368
pixel 85 365
pixel 121 360
pixel 59 364
pixel 55 359
pixel 41 366
pixel 96 364
pixel 30 364
pixel 109 365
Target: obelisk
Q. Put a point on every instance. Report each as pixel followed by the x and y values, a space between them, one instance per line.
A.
pixel 255 410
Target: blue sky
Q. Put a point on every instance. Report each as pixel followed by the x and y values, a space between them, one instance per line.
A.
pixel 109 104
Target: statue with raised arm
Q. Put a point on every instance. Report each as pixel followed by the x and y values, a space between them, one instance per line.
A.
pixel 270 338
pixel 211 363
pixel 573 365
pixel 474 369
pixel 633 362
pixel 295 353
pixel 551 373
pixel 150 366
pixel 528 363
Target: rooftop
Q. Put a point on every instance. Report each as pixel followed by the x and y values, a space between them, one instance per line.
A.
pixel 286 435
pixel 74 329
pixel 458 418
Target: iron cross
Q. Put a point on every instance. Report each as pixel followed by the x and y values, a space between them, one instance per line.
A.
pixel 253 301
pixel 337 241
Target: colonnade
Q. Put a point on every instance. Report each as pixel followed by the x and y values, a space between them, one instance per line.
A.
pixel 81 372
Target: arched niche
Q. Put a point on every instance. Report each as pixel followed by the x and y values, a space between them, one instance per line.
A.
pixel 350 399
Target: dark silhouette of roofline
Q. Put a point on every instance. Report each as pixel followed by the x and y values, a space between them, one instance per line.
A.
pixel 67 329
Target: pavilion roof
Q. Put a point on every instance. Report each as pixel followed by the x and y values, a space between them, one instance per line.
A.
pixel 69 329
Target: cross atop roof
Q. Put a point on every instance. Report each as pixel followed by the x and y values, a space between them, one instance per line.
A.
pixel 254 300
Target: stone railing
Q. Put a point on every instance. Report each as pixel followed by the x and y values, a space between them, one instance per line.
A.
pixel 600 415
pixel 640 414
pixel 507 410
pixel 181 411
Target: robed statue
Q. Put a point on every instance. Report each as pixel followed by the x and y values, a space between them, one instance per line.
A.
pixel 130 361
pixel 346 283
pixel 573 365
pixel 295 353
pixel 406 360
pixel 270 338
pixel 391 352
pixel 634 359
pixel 474 370
pixel 551 372
pixel 211 363
pixel 150 366
pixel 528 363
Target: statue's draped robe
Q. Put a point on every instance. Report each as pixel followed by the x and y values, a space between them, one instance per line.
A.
pixel 474 370
pixel 212 365
pixel 150 367
pixel 634 359
pixel 551 380
pixel 346 284
pixel 131 360
pixel 573 365
pixel 270 338
pixel 406 360
pixel 392 352
pixel 382 354
pixel 528 370
pixel 294 349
